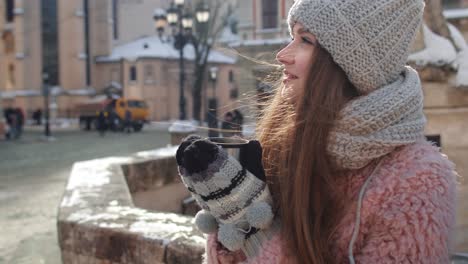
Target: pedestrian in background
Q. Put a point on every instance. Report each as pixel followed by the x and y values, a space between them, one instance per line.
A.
pixel 228 125
pixel 238 120
pixel 20 121
pixel 128 121
pixel 102 122
pixel 12 122
pixel 349 169
pixel 37 116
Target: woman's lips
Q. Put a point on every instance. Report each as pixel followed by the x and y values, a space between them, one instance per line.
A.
pixel 288 77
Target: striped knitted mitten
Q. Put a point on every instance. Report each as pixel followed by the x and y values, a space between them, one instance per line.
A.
pixel 235 203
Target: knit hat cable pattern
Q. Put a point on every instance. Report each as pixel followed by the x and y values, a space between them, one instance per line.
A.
pixel 368 39
pixel 372 126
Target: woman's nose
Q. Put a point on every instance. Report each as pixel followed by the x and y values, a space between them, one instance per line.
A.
pixel 284 56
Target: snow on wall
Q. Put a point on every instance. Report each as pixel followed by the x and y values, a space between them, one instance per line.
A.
pixel 462 74
pixel 439 51
pixel 462 57
pixel 457 37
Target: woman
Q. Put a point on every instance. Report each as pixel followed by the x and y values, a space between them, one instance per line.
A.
pixel 343 146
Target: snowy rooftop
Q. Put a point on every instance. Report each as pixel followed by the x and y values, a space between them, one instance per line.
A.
pixel 456 13
pixel 260 42
pixel 227 36
pixel 154 47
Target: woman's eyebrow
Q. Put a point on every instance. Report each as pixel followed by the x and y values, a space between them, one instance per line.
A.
pixel 302 30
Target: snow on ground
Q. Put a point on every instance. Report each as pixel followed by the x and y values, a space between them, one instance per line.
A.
pixel 183 126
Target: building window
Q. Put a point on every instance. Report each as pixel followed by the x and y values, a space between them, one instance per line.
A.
pixel 115 18
pixel 10 7
pixel 454 4
pixel 114 75
pixel 50 61
pixel 231 76
pixel 11 76
pixel 9 42
pixel 269 14
pixel 234 93
pixel 149 74
pixel 133 73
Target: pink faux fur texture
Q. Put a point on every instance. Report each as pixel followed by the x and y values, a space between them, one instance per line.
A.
pixel 407 214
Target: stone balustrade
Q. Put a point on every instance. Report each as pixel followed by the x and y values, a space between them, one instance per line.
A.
pixel 98 220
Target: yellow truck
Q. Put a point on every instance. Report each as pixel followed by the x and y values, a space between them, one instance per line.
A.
pixel 116 113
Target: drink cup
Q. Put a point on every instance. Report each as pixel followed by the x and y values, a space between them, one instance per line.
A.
pixel 232 145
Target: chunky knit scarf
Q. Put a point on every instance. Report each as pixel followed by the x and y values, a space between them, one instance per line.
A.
pixel 373 125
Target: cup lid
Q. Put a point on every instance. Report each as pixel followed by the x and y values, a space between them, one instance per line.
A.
pixel 229 142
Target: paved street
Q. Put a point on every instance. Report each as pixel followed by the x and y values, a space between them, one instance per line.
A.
pixel 33 175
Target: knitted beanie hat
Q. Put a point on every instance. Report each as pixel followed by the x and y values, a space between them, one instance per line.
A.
pixel 234 202
pixel 368 39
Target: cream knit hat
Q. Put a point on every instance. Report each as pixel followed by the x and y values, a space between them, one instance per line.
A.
pixel 368 39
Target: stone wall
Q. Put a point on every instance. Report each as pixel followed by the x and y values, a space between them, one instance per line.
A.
pixel 98 221
pixel 446 110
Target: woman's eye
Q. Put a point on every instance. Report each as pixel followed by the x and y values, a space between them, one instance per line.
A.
pixel 307 41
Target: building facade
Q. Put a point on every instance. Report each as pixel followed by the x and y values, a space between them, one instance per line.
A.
pixel 64 39
pixel 263 31
pixel 20 52
pixel 148 68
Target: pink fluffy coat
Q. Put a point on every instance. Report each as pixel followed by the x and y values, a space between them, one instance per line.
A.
pixel 407 214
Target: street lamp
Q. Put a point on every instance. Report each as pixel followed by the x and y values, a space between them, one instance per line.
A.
pixel 213 78
pixel 45 91
pixel 213 105
pixel 182 24
pixel 202 13
pixel 160 19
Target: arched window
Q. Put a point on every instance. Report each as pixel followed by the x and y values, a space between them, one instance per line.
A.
pixel 231 76
pixel 149 74
pixel 133 73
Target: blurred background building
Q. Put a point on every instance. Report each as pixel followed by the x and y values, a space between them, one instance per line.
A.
pixel 89 47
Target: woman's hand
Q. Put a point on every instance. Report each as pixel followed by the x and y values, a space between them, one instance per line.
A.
pixel 227 257
pixel 218 254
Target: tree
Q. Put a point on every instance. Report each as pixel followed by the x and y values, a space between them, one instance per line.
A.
pixel 207 33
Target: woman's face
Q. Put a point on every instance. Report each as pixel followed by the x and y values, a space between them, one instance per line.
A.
pixel 296 58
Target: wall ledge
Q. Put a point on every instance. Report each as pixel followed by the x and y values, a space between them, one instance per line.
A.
pixel 98 222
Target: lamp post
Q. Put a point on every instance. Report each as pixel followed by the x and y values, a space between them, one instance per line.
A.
pixel 160 19
pixel 181 22
pixel 213 78
pixel 213 105
pixel 45 79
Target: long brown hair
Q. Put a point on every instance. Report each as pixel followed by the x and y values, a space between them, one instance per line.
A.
pixel 299 171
